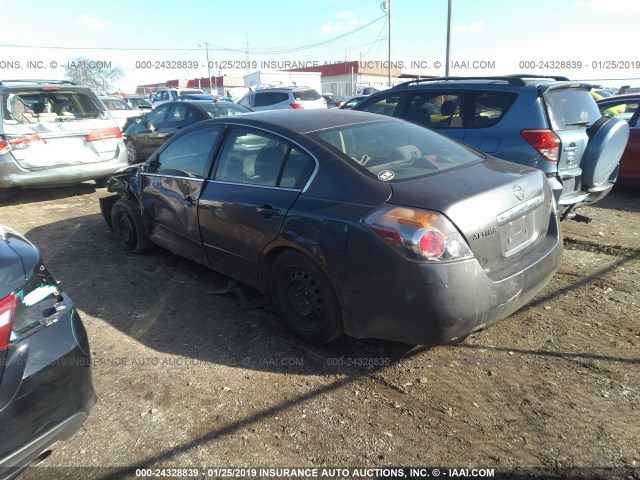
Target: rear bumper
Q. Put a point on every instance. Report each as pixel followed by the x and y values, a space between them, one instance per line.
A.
pixel 18 461
pixel 431 304
pixel 12 175
pixel 46 392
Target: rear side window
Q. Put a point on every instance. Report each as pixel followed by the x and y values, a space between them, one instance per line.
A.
pixel 490 107
pixel 54 106
pixel 393 151
pixel 253 158
pixel 263 99
pixel 571 108
pixel 308 95
pixel 384 104
pixel 439 110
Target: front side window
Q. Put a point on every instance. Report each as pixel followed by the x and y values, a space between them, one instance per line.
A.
pixel 392 151
pixel 178 113
pixel 157 115
pixel 187 156
pixel 620 109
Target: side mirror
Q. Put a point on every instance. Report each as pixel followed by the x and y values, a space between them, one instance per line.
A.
pixel 151 126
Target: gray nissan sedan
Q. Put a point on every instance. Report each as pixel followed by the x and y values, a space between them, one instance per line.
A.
pixel 351 222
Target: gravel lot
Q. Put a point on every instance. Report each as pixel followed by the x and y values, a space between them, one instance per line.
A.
pixel 186 378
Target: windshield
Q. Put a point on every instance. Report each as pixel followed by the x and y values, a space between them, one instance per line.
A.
pixel 216 110
pixel 50 106
pixel 393 150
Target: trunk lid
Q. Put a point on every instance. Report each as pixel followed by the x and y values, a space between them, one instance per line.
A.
pixel 502 209
pixel 57 127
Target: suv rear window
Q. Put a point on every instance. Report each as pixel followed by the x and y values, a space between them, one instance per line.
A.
pixel 44 106
pixel 309 94
pixel 570 108
pixel 396 151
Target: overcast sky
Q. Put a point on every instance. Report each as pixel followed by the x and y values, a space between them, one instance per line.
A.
pixel 581 39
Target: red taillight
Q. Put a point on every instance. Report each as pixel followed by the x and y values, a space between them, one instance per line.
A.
pixel 431 244
pixel 296 106
pixel 103 134
pixel 546 142
pixel 18 142
pixel 7 312
pixel 419 234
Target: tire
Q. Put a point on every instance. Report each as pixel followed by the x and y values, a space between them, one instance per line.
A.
pixel 304 298
pixel 607 141
pixel 128 227
pixel 132 151
pixel 101 182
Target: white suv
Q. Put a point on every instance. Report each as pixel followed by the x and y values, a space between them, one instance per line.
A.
pixel 169 94
pixel 278 98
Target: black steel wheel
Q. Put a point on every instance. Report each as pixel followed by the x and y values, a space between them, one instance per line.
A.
pixel 304 298
pixel 128 227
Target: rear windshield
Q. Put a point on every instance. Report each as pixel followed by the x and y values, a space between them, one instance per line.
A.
pixel 54 106
pixel 310 94
pixel 571 108
pixel 393 151
pixel 216 110
pixel 116 104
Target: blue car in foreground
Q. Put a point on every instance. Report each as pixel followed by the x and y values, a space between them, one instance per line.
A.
pixel 46 390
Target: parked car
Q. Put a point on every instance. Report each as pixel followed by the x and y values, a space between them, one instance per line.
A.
pixel 204 96
pixel 55 133
pixel 165 95
pixel 119 110
pixel 625 107
pixel 138 102
pixel 332 100
pixel 46 392
pixel 277 98
pixel 351 102
pixel 351 222
pixel 543 122
pixel 145 134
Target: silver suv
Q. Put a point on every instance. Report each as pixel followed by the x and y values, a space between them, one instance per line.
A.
pixel 55 132
pixel 279 98
pixel 170 94
pixel 550 123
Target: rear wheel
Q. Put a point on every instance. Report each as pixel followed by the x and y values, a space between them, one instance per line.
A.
pixel 128 227
pixel 304 298
pixel 132 151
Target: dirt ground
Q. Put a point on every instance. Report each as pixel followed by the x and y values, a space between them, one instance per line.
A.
pixel 189 379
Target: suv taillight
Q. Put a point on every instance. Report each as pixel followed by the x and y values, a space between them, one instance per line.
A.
pixel 419 234
pixel 19 142
pixel 546 142
pixel 296 106
pixel 103 134
pixel 7 313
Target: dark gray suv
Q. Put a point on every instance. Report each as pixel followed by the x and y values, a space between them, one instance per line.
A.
pixel 549 123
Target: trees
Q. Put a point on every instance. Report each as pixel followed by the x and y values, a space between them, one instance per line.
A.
pixel 97 74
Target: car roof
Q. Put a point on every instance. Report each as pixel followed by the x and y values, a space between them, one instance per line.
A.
pixel 627 96
pixel 200 102
pixel 307 121
pixel 509 81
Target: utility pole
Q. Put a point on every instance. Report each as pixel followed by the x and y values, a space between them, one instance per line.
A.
pixel 206 47
pixel 386 7
pixel 446 65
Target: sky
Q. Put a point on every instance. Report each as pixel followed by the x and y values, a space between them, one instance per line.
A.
pixel 593 40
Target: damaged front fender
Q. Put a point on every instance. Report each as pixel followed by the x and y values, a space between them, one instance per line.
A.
pixel 124 183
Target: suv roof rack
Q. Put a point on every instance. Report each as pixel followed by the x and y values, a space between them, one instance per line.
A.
pixel 39 82
pixel 518 79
